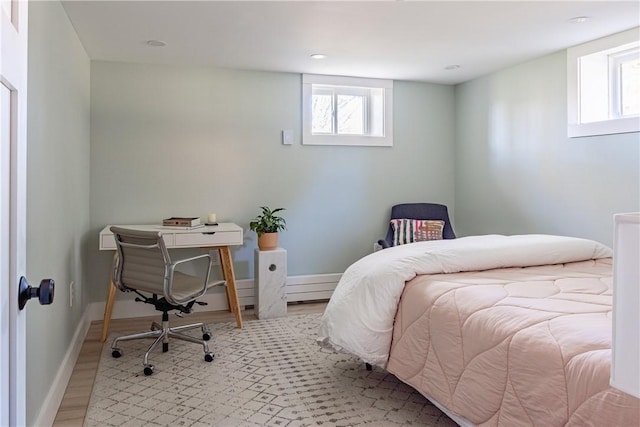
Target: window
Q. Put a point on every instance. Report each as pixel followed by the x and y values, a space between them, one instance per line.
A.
pixel 346 111
pixel 603 82
pixel 625 72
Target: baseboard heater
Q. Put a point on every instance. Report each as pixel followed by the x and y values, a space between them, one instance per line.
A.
pixel 299 288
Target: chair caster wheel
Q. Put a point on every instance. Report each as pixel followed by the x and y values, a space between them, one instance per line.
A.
pixel 208 357
pixel 116 353
pixel 148 370
pixel 206 336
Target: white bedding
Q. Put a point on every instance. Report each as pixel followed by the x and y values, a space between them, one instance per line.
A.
pixel 359 317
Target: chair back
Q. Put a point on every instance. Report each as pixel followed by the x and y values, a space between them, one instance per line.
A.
pixel 432 211
pixel 142 260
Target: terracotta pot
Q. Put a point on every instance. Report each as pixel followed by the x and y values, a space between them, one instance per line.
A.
pixel 268 241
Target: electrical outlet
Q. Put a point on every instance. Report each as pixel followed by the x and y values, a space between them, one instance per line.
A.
pixel 71 294
pixel 215 257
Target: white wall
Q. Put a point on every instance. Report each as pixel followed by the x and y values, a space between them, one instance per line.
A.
pixel 188 141
pixel 57 190
pixel 516 170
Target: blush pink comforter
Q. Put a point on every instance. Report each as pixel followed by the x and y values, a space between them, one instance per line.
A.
pixel 513 346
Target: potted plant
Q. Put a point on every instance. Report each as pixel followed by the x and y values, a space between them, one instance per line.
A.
pixel 267 225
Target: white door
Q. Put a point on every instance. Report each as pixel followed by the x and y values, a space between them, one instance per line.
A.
pixel 13 163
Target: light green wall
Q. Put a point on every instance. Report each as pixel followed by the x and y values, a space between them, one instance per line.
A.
pixel 57 190
pixel 516 170
pixel 188 141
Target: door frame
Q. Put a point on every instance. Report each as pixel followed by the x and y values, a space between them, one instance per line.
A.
pixel 13 75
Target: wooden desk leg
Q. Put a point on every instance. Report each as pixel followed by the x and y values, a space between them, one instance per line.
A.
pixel 108 308
pixel 229 276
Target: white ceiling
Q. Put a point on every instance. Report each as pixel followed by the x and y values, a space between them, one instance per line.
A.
pixel 401 40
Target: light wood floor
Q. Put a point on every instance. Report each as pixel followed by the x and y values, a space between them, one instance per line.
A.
pixel 76 397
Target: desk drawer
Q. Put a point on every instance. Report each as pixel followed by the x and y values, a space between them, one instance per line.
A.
pixel 218 238
pixel 107 241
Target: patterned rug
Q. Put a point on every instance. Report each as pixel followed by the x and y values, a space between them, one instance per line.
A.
pixel 271 373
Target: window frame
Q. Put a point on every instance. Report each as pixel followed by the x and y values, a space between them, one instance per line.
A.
pixel 615 80
pixel 575 127
pixel 349 83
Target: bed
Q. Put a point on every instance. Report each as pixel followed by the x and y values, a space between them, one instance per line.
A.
pixel 495 330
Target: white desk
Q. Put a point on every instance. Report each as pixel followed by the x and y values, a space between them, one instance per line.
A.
pixel 218 237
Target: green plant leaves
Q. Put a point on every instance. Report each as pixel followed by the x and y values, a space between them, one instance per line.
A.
pixel 268 221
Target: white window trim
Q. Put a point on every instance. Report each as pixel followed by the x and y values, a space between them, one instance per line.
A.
pixel 606 127
pixel 616 78
pixel 362 140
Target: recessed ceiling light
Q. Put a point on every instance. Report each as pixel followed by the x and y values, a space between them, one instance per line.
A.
pixel 452 67
pixel 578 19
pixel 318 56
pixel 156 43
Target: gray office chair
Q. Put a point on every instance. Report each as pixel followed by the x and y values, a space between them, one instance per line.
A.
pixel 142 265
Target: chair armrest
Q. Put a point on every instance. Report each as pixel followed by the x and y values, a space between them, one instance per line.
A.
pixel 384 243
pixel 193 258
pixel 169 281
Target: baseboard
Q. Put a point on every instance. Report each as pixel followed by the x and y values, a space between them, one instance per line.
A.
pixel 314 287
pixel 52 401
pixel 299 288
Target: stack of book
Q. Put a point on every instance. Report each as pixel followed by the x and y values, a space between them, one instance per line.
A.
pixel 182 222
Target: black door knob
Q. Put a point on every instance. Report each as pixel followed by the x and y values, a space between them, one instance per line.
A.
pixel 44 292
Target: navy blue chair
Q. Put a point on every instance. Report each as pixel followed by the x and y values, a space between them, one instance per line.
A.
pixel 431 211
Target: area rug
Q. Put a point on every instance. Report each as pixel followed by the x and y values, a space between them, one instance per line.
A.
pixel 270 373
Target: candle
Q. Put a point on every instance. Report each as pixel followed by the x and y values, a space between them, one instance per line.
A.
pixel 212 218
